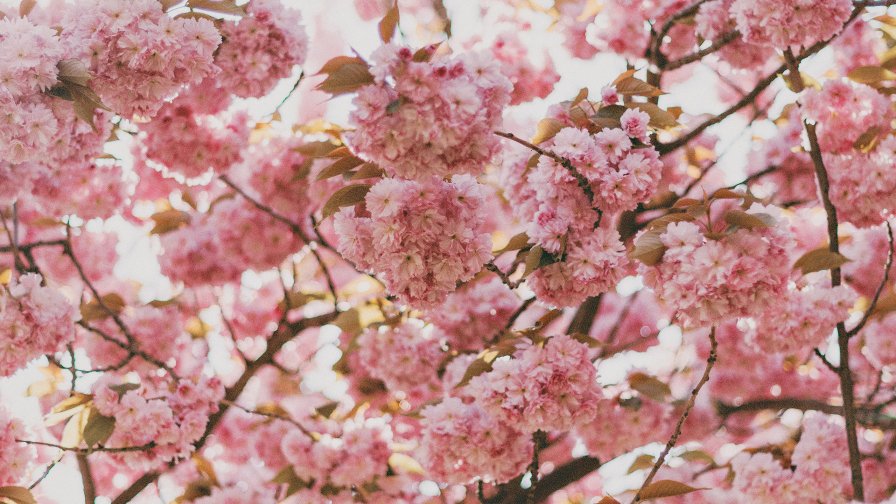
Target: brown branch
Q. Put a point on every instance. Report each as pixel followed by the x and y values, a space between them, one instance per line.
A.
pixel 563 475
pixel 285 332
pixel 87 451
pixel 846 383
pixel 87 479
pixel 710 361
pixel 869 416
pixel 717 44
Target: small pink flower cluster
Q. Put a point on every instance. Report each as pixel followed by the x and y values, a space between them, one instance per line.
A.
pixel 185 140
pixel 223 243
pixel 474 313
pixel 867 251
pixel 158 332
pixel 709 280
pixel 863 186
pixel 139 57
pixel 15 458
pixel 358 455
pixel 261 48
pixel 786 23
pixel 29 54
pixel 880 346
pixel 621 27
pixel 89 191
pixel 35 320
pixel 462 442
pixel 714 21
pixel 280 175
pixel 805 317
pixel 550 387
pixel 820 471
pixel 422 237
pixel 794 174
pixel 423 118
pixel 844 110
pixel 529 81
pixel 636 421
pixel 405 357
pixel 594 263
pixel 171 418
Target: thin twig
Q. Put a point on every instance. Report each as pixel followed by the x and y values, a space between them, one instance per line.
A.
pixel 684 415
pixel 87 451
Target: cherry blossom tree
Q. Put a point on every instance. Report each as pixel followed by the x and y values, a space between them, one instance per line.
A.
pixel 447 251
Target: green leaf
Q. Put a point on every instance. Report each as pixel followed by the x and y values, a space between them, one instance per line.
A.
pixel 348 195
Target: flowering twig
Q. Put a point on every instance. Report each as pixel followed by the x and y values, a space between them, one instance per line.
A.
pixel 684 415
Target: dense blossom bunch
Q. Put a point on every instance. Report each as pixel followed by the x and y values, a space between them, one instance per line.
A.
pixel 223 243
pixel 863 186
pixel 529 81
pixel 619 27
pixel 15 458
pixel 793 175
pixel 707 280
pixel 867 250
pixel 35 320
pixel 844 111
pixel 138 55
pixel 166 420
pixel 640 421
pixel 820 470
pixel 879 342
pixel 543 387
pixel 260 48
pixel 782 24
pixel 357 456
pixel 804 318
pixel 404 357
pixel 423 118
pixel 29 54
pixel 462 442
pixel 474 313
pixel 713 22
pixel 422 237
pixel 185 140
pixel 279 173
pixel 158 332
pixel 593 265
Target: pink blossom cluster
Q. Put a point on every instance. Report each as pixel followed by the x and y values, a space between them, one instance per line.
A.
pixel 620 27
pixel 166 418
pixel 863 186
pixel 474 313
pixel 880 346
pixel 421 237
pixel 819 471
pixel 594 263
pixel 790 23
pixel 357 455
pixel 709 280
pixel 793 177
pixel 867 250
pixel 805 317
pixel 463 442
pixel 15 458
pixel 574 29
pixel 714 21
pixel 279 174
pixel 636 421
pixel 139 56
pixel 405 357
pixel 237 495
pixel 222 244
pixel 29 54
pixel 529 81
pixel 35 320
pixel 261 48
pixel 90 191
pixel 549 387
pixel 844 110
pixel 423 118
pixel 858 45
pixel 188 141
pixel 158 332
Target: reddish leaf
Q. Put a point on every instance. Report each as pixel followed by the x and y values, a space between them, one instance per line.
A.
pixel 389 23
